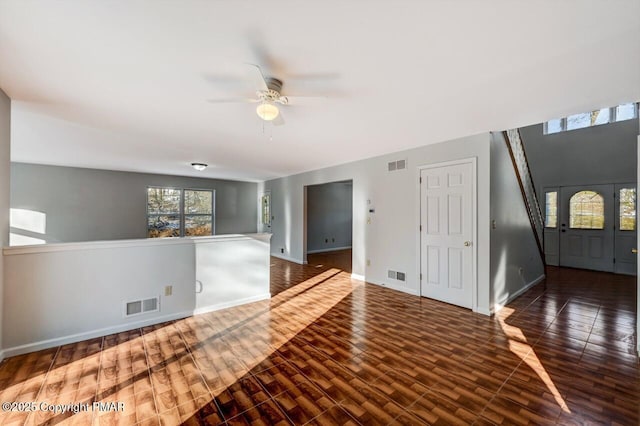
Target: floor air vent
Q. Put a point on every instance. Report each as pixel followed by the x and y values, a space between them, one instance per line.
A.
pixel 138 307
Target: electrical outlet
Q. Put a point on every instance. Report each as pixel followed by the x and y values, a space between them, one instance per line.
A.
pixel 282 250
pixel 168 290
pixel 326 240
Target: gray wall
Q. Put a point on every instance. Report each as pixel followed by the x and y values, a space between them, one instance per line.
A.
pixel 599 154
pixel 515 261
pixel 329 216
pixel 387 238
pixel 5 158
pixel 89 205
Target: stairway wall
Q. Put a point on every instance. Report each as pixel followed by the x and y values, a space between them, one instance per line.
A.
pixel 515 261
pixel 599 154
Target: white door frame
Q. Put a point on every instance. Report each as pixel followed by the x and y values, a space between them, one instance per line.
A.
pixel 474 224
pixel 638 246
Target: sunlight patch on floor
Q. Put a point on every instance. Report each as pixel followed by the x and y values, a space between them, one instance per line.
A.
pixel 232 342
pixel 519 346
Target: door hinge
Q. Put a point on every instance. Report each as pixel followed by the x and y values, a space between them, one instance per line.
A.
pixel 614 260
pixel 420 228
pixel 420 276
pixel 420 179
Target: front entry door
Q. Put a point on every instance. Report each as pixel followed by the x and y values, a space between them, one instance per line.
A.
pixel 587 227
pixel 447 215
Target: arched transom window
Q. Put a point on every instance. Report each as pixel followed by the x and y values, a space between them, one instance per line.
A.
pixel 586 210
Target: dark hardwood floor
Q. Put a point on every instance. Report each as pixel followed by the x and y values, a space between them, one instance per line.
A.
pixel 329 350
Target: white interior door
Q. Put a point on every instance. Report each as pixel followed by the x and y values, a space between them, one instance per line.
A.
pixel 625 233
pixel 587 227
pixel 447 215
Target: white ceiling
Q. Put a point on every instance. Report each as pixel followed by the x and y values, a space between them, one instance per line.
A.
pixel 123 84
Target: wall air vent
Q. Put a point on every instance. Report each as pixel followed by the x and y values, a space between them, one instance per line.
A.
pixel 143 306
pixel 397 165
pixel 394 275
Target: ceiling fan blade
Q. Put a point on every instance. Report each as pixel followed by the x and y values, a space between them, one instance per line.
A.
pixel 304 100
pixel 261 83
pixel 279 120
pixel 230 81
pixel 233 100
pixel 328 76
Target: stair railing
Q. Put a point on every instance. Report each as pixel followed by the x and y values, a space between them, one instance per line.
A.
pixel 528 189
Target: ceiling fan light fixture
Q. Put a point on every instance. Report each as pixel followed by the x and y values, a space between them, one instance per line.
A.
pixel 267 111
pixel 199 166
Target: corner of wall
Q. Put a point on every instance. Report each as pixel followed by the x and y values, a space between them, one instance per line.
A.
pixel 5 165
pixel 638 242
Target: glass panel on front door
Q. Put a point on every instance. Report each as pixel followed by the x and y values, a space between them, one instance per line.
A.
pixel 586 210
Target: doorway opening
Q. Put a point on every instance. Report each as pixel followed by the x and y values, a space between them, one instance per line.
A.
pixel 329 224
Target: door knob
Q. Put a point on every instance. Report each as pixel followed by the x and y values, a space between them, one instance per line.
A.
pixel 635 251
pixel 467 243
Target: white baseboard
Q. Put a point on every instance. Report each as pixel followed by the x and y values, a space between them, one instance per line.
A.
pixel 231 304
pixel 328 249
pixel 413 291
pixel 290 259
pixel 357 277
pixel 501 304
pixel 78 337
pixel 483 311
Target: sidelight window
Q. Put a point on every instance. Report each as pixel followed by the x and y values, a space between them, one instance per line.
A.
pixel 551 209
pixel 627 209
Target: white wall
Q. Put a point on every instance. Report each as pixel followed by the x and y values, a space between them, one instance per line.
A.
pixel 329 216
pixel 5 138
pixel 390 241
pixel 61 293
pixel 231 271
pixel 515 261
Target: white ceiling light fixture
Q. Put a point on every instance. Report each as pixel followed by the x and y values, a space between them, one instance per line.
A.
pixel 267 112
pixel 199 166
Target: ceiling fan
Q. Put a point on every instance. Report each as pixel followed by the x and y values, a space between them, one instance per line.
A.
pixel 268 95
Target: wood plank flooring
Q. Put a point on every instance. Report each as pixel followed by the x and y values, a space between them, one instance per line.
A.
pixel 329 350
